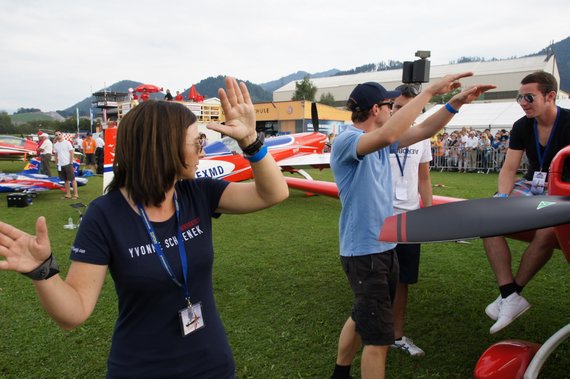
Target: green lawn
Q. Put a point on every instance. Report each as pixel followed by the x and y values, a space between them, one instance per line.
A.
pixel 283 296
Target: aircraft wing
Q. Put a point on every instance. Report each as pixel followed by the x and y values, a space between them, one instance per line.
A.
pixel 315 186
pixel 330 189
pixel 315 160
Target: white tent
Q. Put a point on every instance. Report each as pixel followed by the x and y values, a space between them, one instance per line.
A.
pixel 481 116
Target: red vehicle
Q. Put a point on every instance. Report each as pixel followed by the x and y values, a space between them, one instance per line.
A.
pixel 16 148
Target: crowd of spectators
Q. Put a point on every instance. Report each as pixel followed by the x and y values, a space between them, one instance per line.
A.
pixel 470 150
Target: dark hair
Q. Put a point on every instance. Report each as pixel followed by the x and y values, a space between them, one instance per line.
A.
pixel 546 82
pixel 149 152
pixel 408 90
pixel 360 116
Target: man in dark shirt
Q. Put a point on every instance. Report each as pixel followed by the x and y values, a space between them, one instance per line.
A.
pixel 541 133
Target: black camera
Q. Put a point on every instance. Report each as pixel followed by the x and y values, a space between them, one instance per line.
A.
pixel 417 71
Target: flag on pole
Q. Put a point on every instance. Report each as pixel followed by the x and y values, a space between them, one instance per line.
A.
pixel 91 120
pixel 77 118
pixel 68 137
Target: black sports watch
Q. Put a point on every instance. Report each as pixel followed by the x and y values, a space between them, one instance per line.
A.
pixel 44 271
pixel 255 146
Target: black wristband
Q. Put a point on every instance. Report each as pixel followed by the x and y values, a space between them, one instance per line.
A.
pixel 44 271
pixel 255 146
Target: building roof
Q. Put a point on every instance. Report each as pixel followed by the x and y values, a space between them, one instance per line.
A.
pixel 506 74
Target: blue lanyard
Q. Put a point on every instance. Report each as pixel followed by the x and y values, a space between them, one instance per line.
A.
pixel 542 157
pixel 160 252
pixel 400 163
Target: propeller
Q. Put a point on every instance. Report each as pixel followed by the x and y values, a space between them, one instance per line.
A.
pixel 315 117
pixel 476 218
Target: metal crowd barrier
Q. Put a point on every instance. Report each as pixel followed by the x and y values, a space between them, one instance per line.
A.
pixel 459 159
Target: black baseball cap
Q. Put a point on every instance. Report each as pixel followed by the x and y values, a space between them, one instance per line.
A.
pixel 365 95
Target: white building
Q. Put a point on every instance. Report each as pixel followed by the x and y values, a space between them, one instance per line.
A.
pixel 505 74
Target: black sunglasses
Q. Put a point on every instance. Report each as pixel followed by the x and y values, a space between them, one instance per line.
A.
pixel 528 97
pixel 390 104
pixel 408 90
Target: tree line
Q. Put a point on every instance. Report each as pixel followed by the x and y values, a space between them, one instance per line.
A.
pixel 372 67
pixel 306 90
pixel 27 110
pixel 209 88
pixel 31 127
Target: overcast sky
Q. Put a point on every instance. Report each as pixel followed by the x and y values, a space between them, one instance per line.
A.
pixel 55 53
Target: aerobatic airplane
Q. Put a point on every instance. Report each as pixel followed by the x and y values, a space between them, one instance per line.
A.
pixel 224 160
pixel 16 148
pixel 31 181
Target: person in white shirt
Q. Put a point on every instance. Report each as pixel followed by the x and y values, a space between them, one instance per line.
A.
pixel 410 181
pixel 45 149
pixel 64 156
pixel 99 153
pixel 471 145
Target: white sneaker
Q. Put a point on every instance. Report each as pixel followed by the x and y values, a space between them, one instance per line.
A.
pixel 509 309
pixel 492 309
pixel 408 346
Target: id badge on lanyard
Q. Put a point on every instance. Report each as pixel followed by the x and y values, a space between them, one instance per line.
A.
pixel 190 316
pixel 401 191
pixel 538 183
pixel 539 177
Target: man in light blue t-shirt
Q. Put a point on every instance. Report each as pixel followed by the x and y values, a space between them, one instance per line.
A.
pixel 361 167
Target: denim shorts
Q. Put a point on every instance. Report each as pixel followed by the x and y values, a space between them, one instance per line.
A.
pixel 373 279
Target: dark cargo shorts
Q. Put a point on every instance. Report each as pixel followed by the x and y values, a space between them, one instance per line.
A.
pixel 373 279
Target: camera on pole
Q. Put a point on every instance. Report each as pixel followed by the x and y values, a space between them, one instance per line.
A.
pixel 418 70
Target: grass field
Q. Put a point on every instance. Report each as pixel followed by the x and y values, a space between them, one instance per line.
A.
pixel 283 297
